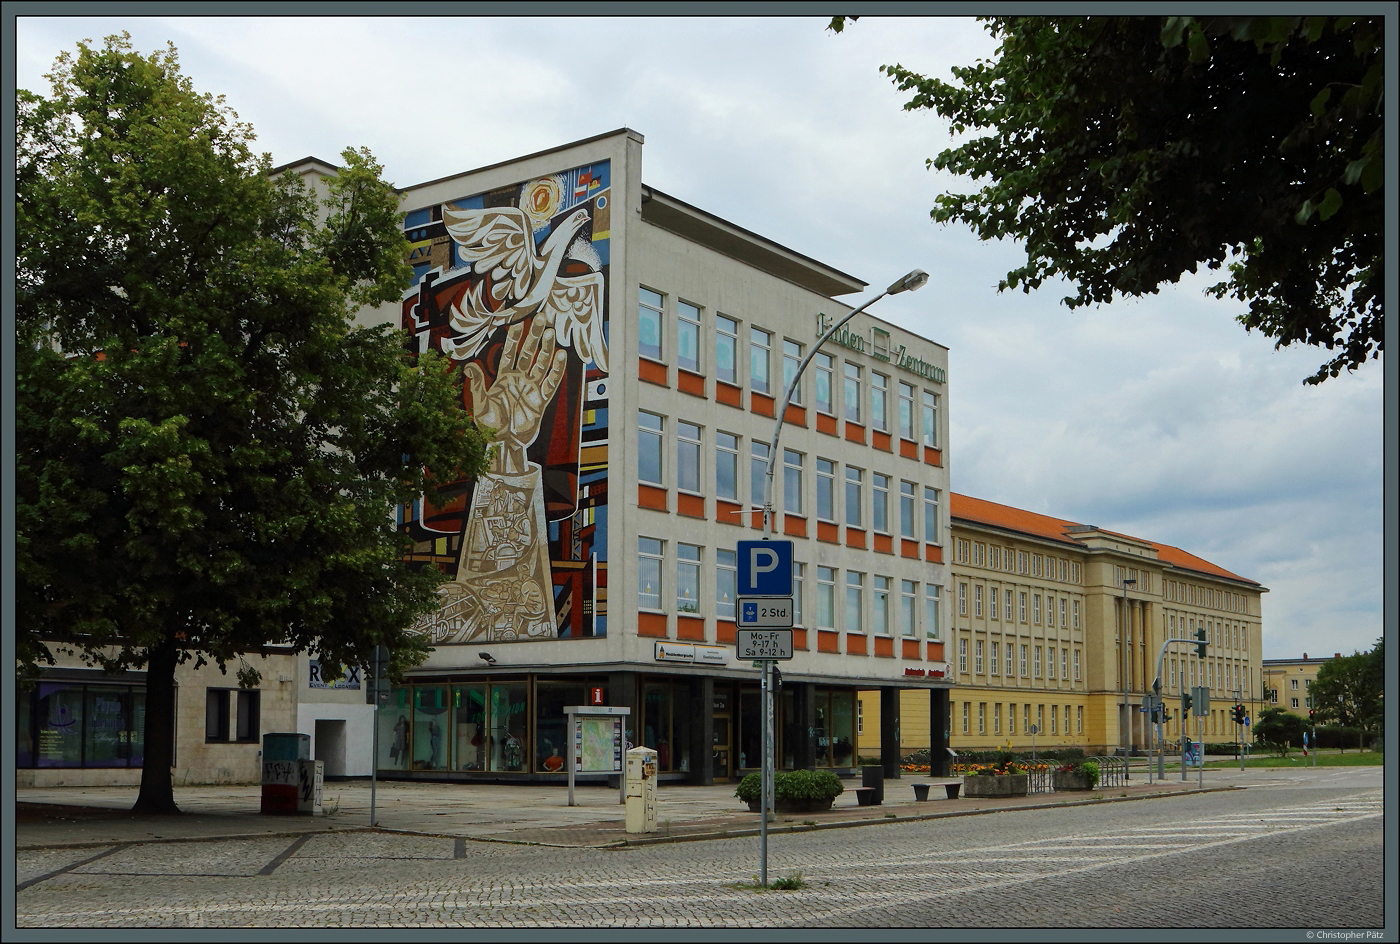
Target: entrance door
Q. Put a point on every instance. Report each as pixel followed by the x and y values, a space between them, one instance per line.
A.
pixel 723 769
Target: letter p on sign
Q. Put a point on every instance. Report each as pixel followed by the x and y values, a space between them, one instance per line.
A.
pixel 765 568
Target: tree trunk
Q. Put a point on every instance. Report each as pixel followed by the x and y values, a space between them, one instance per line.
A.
pixel 157 788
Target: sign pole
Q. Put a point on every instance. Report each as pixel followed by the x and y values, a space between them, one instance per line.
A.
pixel 765 776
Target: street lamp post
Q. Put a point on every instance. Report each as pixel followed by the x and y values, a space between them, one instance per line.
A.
pixel 914 280
pixel 1124 624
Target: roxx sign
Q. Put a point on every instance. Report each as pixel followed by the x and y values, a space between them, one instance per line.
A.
pixel 765 568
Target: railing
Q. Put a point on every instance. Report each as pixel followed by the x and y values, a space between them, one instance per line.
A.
pixel 1042 779
pixel 1113 771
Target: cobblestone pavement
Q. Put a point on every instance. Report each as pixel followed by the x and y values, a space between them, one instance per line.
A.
pixel 1220 859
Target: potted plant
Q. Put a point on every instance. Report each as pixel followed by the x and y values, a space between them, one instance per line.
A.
pixel 794 791
pixel 1080 775
pixel 1004 777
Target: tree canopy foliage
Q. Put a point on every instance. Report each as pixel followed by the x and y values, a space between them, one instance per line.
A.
pixel 1126 151
pixel 209 450
pixel 1350 690
pixel 1279 728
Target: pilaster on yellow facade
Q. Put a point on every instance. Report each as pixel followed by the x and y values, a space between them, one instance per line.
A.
pixel 1060 629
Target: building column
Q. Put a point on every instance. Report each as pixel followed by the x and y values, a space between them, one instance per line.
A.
pixel 623 693
pixel 702 730
pixel 940 721
pixel 889 731
pixel 802 725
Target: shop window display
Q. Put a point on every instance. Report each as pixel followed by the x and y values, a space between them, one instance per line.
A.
pixel 469 729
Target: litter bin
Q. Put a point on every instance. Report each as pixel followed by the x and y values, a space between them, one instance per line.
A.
pixel 281 756
pixel 874 777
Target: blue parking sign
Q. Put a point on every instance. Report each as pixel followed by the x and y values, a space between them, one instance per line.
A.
pixel 765 568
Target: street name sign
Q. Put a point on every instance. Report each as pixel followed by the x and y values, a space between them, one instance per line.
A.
pixel 764 643
pixel 769 612
pixel 765 568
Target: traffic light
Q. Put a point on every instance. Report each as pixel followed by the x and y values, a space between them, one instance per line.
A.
pixel 1312 715
pixel 1237 714
pixel 1185 704
pixel 1201 643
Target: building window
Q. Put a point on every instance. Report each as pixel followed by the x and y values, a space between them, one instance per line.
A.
pixel 726 349
pixel 1051 667
pixel 760 344
pixel 826 490
pixel 880 503
pixel 1079 719
pixel 825 368
pixel 908 603
pixel 879 394
pixel 1023 660
pixel 855 601
pixel 1026 718
pixel 1293 684
pixel 64 723
pixel 687 336
pixel 216 714
pixel 1009 617
pixel 996 658
pixel 799 571
pixel 792 360
pixel 649 434
pixel 1053 716
pixel 792 482
pixel 966 708
pixel 992 598
pixel 977 659
pixel 996 718
pixel 930 419
pixel 1076 614
pixel 1023 606
pixel 930 515
pixel 981 717
pixel 852 392
pixel 1064 663
pixel 1062 612
pixel 245 705
pixel 1050 612
pixel 1037 662
pixel 650 318
pixel 727 466
pixel 853 497
pixel 687 457
pixel 726 583
pixel 932 593
pixel 977 601
pixel 906 411
pixel 1040 717
pixel 687 578
pixel 1011 718
pixel 758 471
pixel 962 656
pixel 1035 608
pixel 906 509
pixel 962 599
pixel 881 611
pixel 1294 702
pixel 826 597
pixel 649 555
pixel 1076 668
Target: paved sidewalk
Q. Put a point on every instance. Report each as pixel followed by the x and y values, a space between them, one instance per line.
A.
pixel 535 814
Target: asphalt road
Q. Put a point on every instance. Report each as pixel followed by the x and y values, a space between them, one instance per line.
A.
pixel 1305 852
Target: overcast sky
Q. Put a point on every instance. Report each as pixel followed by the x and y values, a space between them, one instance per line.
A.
pixel 1161 418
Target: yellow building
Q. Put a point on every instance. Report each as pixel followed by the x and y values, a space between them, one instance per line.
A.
pixel 1286 682
pixel 1040 607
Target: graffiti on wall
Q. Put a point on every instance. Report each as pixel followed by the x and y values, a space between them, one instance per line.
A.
pixel 512 285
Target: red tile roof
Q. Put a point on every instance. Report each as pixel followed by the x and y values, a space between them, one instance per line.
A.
pixel 981 511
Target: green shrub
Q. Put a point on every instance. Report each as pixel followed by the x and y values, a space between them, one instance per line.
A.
pixel 793 785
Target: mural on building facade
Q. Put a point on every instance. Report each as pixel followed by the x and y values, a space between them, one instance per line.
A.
pixel 512 285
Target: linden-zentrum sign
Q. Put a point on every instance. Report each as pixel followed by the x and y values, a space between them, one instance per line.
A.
pixel 878 347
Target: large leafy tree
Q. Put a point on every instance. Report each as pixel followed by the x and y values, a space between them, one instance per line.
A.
pixel 1350 690
pixel 1279 728
pixel 209 449
pixel 1124 152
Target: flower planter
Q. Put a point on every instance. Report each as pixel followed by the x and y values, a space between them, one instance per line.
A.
pixel 1072 780
pixel 795 806
pixel 1007 785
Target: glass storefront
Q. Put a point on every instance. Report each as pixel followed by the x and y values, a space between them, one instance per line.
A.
pixel 80 724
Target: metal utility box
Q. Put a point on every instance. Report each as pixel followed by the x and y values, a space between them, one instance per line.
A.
pixel 641 790
pixel 311 775
pixel 281 755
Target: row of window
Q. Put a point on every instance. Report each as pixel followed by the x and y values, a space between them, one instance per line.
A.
pixel 1041 715
pixel 1223 676
pixel 1222 635
pixel 1035 653
pixel 1012 561
pixel 915 409
pixel 838 490
pixel 1013 604
pixel 1177 591
pixel 894 604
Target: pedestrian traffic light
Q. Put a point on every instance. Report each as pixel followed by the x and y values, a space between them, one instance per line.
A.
pixel 1201 643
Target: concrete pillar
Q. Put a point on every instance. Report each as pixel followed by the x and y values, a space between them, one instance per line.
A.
pixel 940 721
pixel 702 730
pixel 889 731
